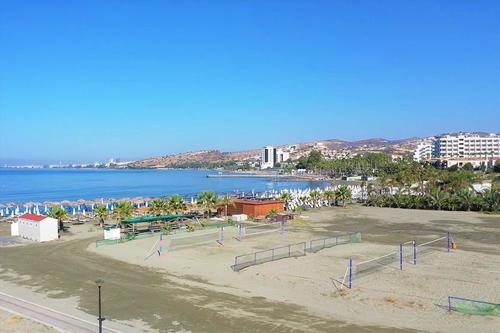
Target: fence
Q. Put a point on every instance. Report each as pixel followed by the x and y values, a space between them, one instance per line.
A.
pixel 408 251
pixel 259 257
pixel 258 230
pixel 316 245
pixel 101 242
pixel 473 307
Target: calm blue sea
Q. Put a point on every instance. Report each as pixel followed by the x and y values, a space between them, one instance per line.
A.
pixel 39 185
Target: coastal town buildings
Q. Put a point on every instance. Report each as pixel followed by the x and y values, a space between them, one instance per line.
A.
pixel 38 228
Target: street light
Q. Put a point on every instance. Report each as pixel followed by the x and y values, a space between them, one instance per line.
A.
pixel 99 283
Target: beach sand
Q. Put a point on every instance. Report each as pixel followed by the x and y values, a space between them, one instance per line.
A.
pixel 414 298
pixel 196 290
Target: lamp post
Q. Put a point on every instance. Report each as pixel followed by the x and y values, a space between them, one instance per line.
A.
pixel 99 283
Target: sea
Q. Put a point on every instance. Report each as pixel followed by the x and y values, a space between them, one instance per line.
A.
pixel 41 185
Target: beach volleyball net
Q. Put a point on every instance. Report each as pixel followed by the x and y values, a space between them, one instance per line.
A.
pixel 408 252
pixel 316 245
pixel 277 253
pixel 473 307
pixel 440 244
pixel 255 230
pixel 190 241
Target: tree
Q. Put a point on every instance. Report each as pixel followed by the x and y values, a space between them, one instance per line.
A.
pixel 313 161
pixel 158 207
pixel 207 200
pixel 329 195
pixel 491 200
pixel 273 213
pixel 101 212
pixel 176 204
pixel 124 210
pixel 496 167
pixel 60 214
pixel 315 196
pixel 344 193
pixel 225 201
pixel 437 198
pixel 286 197
pixel 468 167
pixel 466 198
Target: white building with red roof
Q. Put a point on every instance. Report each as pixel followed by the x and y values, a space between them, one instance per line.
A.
pixel 34 227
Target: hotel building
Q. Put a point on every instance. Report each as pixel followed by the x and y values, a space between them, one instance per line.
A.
pixel 271 156
pixel 467 145
pixel 460 149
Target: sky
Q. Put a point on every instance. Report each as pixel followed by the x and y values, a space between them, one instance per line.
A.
pixel 93 80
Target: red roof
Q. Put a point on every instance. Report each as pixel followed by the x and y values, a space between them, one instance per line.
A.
pixel 32 217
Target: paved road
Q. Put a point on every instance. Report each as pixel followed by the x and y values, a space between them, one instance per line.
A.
pixel 59 320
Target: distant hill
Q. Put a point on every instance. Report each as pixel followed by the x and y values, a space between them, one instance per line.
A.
pixel 207 158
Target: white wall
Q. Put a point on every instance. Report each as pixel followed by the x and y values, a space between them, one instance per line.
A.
pixel 48 229
pixel 112 233
pixel 14 229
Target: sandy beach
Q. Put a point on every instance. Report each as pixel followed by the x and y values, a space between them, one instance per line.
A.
pixel 196 290
pixel 12 322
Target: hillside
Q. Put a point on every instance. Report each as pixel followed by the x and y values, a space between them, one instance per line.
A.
pixel 331 148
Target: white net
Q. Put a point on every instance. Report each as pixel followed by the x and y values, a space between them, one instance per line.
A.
pixel 189 241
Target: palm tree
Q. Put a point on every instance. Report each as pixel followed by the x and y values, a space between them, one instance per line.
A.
pixel 207 200
pixel 491 200
pixel 315 196
pixel 286 197
pixel 176 203
pixel 466 198
pixel 60 214
pixel 344 193
pixel 124 210
pixel 225 201
pixel 329 195
pixel 273 213
pixel 437 198
pixel 158 207
pixel 102 213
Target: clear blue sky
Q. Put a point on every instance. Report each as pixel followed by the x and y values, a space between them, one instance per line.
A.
pixel 90 80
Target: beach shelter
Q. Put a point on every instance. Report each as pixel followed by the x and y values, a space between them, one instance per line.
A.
pixel 74 212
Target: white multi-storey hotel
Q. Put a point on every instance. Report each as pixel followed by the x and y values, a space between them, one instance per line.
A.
pixel 467 145
pixel 424 151
pixel 270 156
pixel 460 148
